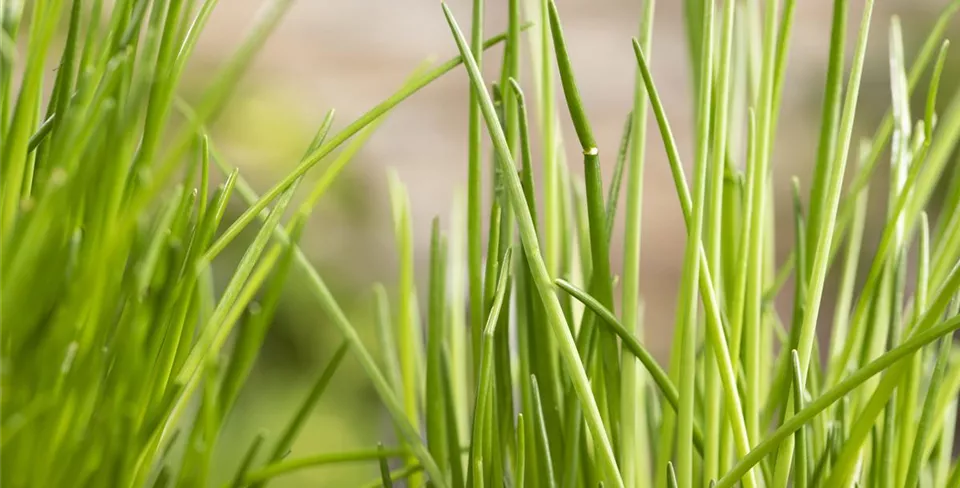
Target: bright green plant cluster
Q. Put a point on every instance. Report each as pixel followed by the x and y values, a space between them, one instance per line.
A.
pixel 121 360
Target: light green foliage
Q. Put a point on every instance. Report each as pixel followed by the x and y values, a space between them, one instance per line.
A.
pixel 121 361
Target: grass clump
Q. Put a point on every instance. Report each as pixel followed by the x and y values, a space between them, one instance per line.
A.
pixel 121 360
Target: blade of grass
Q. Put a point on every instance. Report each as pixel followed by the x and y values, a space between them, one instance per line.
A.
pixel 635 439
pixel 436 421
pixel 474 197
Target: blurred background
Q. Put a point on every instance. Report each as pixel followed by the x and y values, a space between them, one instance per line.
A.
pixel 349 55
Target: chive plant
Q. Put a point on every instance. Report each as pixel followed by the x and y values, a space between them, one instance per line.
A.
pixel 121 361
